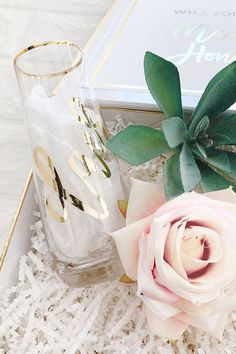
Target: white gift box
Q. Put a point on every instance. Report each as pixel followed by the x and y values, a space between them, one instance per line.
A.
pixel 115 54
pixel 198 37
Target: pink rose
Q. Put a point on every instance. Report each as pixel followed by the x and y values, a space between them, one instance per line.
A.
pixel 183 255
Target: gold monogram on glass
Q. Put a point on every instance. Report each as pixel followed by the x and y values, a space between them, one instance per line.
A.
pixel 77 179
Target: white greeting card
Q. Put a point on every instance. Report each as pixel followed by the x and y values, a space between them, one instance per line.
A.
pixel 199 37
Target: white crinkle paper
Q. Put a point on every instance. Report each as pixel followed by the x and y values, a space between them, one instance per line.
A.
pixel 43 315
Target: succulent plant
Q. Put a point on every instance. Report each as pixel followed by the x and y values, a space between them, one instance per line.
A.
pixel 197 148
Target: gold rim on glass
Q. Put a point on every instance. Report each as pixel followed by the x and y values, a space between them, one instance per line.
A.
pixel 74 65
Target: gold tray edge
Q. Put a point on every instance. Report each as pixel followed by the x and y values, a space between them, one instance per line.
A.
pixel 15 219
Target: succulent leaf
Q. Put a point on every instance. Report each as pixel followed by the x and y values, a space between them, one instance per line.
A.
pixel 211 180
pixel 197 156
pixel 201 126
pixel 162 79
pixel 190 174
pixel 197 148
pixel 137 144
pixel 228 175
pixel 172 177
pixel 212 83
pixel 223 130
pixel 218 159
pixel 175 131
pixel 232 162
pixel 219 95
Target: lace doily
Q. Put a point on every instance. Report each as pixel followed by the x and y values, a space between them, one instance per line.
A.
pixel 43 315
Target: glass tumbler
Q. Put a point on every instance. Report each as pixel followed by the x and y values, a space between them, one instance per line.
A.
pixel 77 180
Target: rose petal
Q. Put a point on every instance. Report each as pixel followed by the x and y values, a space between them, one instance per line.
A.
pixel 205 217
pixel 147 287
pixel 173 248
pixel 161 310
pixel 192 258
pixel 171 329
pixel 223 195
pixel 195 293
pixel 144 199
pixel 212 323
pixel 126 240
pixel 226 210
pixel 226 205
pixel 224 303
pixel 196 310
pixel 220 325
pixel 184 201
pixel 218 275
pixel 221 274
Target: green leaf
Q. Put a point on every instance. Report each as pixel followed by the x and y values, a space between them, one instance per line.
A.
pixel 218 159
pixel 125 279
pixel 138 143
pixel 175 131
pixel 199 149
pixel 189 170
pixel 201 126
pixel 162 79
pixel 212 84
pixel 223 130
pixel 210 180
pixel 219 95
pixel 232 163
pixel 123 206
pixel 172 177
pixel 229 175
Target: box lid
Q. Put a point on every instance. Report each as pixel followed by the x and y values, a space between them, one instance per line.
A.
pixel 198 37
